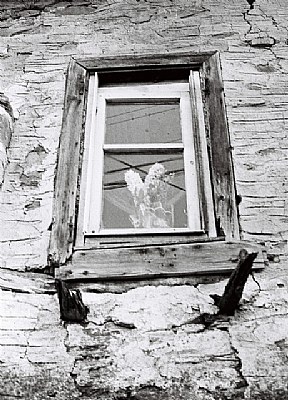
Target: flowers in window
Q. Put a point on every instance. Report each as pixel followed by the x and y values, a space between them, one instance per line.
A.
pixel 150 197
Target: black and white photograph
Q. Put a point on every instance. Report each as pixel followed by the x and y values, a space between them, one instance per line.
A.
pixel 144 200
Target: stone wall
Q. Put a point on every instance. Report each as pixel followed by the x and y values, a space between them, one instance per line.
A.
pixel 143 340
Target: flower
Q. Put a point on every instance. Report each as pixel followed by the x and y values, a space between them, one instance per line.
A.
pixel 134 182
pixel 150 197
pixel 155 185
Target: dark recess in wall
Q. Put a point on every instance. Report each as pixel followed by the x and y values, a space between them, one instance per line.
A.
pixel 251 3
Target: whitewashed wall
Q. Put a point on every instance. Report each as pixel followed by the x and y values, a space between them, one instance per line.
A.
pixel 143 341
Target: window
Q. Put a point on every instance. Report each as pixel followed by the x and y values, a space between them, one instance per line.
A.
pixel 141 170
pixel 144 173
pixel 143 157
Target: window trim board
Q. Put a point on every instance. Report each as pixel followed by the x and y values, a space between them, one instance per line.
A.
pixel 68 165
pixel 220 150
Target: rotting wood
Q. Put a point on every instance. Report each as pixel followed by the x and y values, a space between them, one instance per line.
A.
pixel 154 261
pixel 85 182
pixel 65 210
pixel 62 234
pixel 220 150
pixel 229 301
pixel 30 282
pixel 72 308
pixel 148 61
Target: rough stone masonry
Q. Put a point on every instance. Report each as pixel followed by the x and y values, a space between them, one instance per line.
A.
pixel 142 340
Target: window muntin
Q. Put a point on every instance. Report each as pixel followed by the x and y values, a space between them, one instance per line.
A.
pixel 161 139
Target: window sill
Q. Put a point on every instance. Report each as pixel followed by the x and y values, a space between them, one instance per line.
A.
pixel 157 261
pixel 132 238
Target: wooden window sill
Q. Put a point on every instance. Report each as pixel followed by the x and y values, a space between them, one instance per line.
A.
pixel 157 261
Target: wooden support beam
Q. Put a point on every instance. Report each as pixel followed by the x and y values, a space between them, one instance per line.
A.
pixel 233 291
pixel 72 308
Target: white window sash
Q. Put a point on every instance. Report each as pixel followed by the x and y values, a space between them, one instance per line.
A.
pixel 93 159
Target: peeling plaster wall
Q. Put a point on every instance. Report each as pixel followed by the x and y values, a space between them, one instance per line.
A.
pixel 148 342
pixel 6 129
pixel 37 41
pixel 145 340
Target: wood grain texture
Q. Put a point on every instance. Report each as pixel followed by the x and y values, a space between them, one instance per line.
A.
pixel 148 61
pixel 62 234
pixel 220 150
pixel 68 169
pixel 233 291
pixel 156 261
pixel 72 308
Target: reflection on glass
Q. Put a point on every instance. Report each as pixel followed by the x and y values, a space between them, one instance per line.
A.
pixel 144 191
pixel 143 122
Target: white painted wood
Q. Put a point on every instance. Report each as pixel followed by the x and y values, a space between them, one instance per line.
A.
pixel 145 146
pixel 195 91
pixel 172 91
pixel 86 178
pixel 192 196
pixel 140 231
pixel 97 164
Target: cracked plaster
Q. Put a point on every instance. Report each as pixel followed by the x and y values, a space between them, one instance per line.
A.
pixel 143 342
pixel 147 338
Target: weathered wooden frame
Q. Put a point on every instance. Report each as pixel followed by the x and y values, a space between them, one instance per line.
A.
pixel 89 262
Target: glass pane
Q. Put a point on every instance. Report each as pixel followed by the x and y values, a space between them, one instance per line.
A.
pixel 144 191
pixel 151 122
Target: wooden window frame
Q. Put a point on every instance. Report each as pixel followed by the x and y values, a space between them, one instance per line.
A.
pixel 92 176
pixel 126 257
